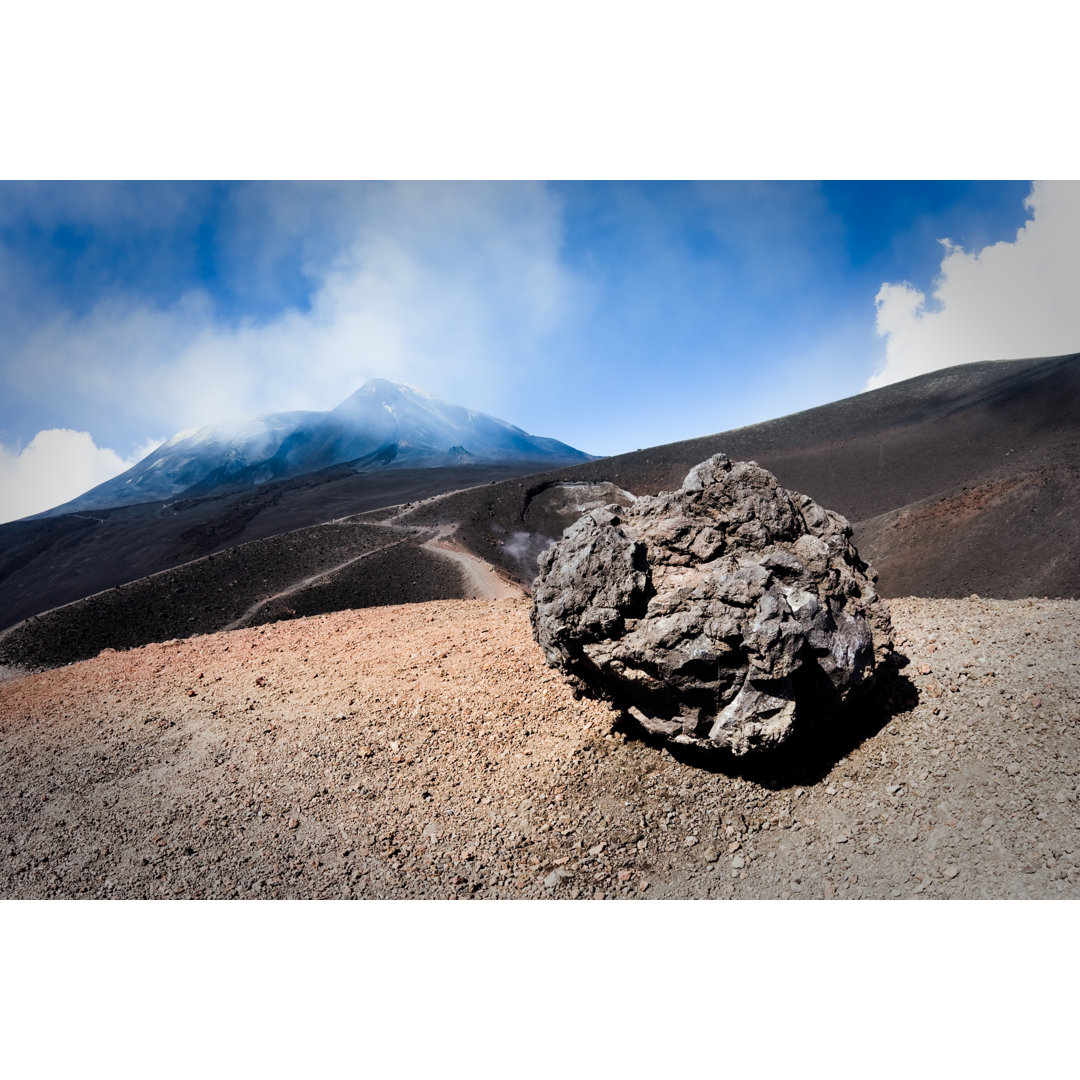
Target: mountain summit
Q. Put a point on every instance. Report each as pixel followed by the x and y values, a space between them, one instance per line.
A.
pixel 384 425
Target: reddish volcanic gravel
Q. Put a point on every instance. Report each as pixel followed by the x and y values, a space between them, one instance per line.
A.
pixel 426 751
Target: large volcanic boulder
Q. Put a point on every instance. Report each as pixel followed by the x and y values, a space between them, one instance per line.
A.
pixel 717 615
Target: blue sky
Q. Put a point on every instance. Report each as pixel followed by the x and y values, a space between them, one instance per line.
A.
pixel 609 315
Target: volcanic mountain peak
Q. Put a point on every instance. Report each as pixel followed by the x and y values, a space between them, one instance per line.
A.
pixel 382 425
pixel 415 411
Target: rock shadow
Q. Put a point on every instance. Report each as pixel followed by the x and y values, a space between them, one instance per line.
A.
pixel 816 744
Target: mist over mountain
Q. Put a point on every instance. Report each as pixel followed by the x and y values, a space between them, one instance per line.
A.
pixel 384 425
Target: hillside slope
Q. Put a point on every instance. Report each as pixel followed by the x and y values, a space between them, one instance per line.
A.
pixel 51 562
pixel 963 481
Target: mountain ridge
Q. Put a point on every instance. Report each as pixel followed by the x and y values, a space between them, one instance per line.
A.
pixel 382 425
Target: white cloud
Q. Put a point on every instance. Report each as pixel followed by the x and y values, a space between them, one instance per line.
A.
pixel 55 466
pixel 450 286
pixel 1008 301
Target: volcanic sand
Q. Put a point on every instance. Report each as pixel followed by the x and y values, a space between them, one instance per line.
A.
pixel 425 750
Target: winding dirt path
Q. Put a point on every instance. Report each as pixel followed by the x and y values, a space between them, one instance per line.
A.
pixel 480 576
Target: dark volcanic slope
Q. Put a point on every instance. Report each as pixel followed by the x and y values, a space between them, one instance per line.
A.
pixel 309 571
pixel 965 480
pixel 53 561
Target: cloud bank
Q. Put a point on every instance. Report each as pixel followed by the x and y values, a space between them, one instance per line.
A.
pixel 57 465
pixel 449 286
pixel 1009 301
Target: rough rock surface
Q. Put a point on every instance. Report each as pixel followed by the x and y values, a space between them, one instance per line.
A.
pixel 719 615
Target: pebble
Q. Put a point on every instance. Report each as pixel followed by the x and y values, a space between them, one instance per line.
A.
pixel 556 877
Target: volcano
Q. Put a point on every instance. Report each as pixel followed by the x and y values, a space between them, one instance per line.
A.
pixel 384 425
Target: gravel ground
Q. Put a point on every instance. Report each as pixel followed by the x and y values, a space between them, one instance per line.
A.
pixel 426 751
